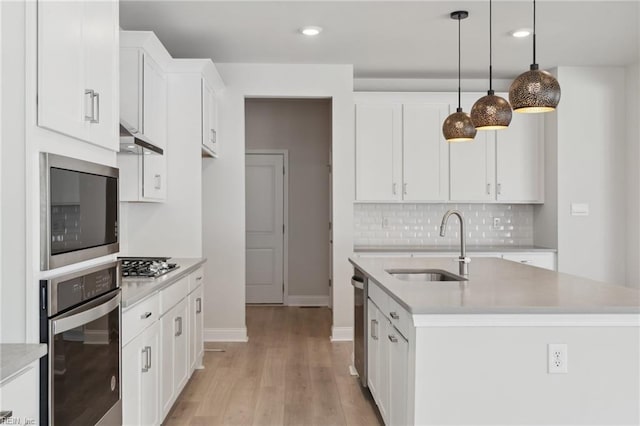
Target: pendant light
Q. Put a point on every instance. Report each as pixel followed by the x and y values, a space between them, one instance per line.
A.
pixel 534 90
pixel 458 126
pixel 491 112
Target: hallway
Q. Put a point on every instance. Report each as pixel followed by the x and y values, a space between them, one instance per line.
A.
pixel 289 373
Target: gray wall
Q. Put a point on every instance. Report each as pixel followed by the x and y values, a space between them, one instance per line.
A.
pixel 303 127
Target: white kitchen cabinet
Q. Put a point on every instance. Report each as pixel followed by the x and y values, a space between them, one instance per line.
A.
pixel 141 378
pixel 20 394
pixel 196 337
pixel 425 154
pixel 209 120
pixel 174 353
pixel 143 178
pixel 378 152
pixel 400 152
pixel 546 260
pixel 520 160
pixel 398 376
pixel 375 378
pixel 78 70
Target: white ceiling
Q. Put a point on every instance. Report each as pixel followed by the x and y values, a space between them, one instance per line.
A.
pixel 393 39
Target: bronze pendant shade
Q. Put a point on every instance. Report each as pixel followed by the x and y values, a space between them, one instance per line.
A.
pixel 535 90
pixel 491 112
pixel 458 126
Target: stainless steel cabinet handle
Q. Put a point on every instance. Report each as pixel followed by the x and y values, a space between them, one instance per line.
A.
pixel 393 338
pixel 179 322
pixel 96 110
pixel 393 188
pixel 145 365
pixel 158 183
pixel 198 305
pixel 91 93
pixel 374 329
pixel 5 415
pixel 145 315
pixel 525 261
pixel 404 189
pixel 148 349
pixel 213 136
pixel 199 279
pixel 499 188
pixel 488 189
pixel 394 315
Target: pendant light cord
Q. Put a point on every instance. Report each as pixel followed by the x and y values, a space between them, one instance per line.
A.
pixel 534 31
pixel 490 50
pixel 459 65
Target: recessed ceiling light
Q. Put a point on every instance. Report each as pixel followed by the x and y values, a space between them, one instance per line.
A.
pixel 311 31
pixel 521 33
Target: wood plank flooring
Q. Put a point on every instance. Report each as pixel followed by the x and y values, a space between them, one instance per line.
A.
pixel 289 373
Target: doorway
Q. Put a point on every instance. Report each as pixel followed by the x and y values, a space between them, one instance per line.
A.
pixel 294 136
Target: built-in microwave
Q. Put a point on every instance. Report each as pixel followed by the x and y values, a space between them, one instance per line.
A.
pixel 78 211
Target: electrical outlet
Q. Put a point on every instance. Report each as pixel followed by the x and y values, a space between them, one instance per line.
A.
pixel 496 222
pixel 558 358
pixel 385 223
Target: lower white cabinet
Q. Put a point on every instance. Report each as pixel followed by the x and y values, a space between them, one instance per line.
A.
pixel 19 394
pixel 387 361
pixel 174 354
pixel 196 338
pixel 140 378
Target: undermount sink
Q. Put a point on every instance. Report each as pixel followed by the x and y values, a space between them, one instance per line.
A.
pixel 424 275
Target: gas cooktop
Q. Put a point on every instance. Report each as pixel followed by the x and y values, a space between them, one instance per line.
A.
pixel 146 267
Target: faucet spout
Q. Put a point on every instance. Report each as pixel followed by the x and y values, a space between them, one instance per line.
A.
pixel 463 259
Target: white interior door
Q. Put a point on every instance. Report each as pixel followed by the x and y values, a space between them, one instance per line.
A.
pixel 265 227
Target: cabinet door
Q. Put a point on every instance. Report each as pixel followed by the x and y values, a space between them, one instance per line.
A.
pixel 195 328
pixel 373 345
pixel 20 395
pixel 181 346
pixel 398 380
pixel 101 64
pixel 378 152
pixel 384 392
pixel 209 118
pixel 140 378
pixel 130 87
pixel 154 125
pixel 63 105
pixel 167 358
pixel 154 177
pixel 520 161
pixel 472 168
pixel 425 153
pixel 149 389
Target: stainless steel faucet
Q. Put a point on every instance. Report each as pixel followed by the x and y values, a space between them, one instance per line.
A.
pixel 463 259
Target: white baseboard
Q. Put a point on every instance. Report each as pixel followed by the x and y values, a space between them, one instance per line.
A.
pixel 226 335
pixel 308 300
pixel 341 334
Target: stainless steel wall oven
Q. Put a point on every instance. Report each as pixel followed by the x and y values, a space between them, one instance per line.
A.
pixel 80 320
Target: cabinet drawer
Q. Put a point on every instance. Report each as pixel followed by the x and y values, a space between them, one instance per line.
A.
pixel 171 295
pixel 541 260
pixel 399 317
pixel 196 279
pixel 139 317
pixel 379 297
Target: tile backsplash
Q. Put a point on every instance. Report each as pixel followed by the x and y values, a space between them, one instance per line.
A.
pixel 419 225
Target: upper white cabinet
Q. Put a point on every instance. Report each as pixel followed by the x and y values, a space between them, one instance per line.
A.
pixel 378 152
pixel 400 152
pixel 78 70
pixel 520 160
pixel 209 120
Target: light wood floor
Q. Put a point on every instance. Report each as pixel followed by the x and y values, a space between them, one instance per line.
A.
pixel 289 373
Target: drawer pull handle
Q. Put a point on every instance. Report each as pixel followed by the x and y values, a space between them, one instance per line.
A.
pixel 525 261
pixel 394 315
pixel 145 315
pixel 199 279
pixel 179 324
pixel 393 338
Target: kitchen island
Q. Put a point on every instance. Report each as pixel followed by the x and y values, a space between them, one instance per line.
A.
pixel 484 350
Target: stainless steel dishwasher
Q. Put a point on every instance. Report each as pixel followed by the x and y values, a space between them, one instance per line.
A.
pixel 359 283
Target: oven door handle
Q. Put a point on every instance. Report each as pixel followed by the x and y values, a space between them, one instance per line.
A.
pixel 85 314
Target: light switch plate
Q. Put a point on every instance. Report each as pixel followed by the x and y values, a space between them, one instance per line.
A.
pixel 579 209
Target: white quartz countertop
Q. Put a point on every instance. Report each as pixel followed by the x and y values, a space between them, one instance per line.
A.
pixel 15 356
pixel 452 249
pixel 135 290
pixel 497 286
